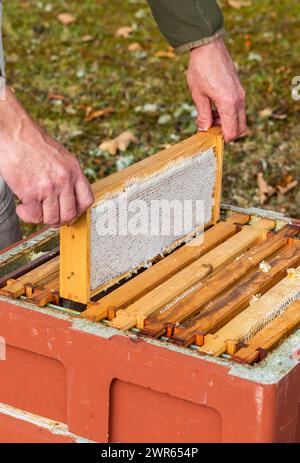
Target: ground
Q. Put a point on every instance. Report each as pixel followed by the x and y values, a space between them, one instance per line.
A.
pixel 61 72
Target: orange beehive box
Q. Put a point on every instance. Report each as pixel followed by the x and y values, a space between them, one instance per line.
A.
pixel 66 378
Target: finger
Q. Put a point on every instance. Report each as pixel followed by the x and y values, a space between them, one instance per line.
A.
pixel 204 111
pixel 51 213
pixel 30 212
pixel 67 206
pixel 84 195
pixel 229 121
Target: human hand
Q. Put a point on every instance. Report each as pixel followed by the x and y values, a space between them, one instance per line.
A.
pixel 212 78
pixel 40 171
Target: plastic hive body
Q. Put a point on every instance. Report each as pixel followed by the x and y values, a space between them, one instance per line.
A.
pixel 66 379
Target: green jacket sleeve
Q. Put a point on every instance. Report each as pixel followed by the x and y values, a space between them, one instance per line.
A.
pixel 187 24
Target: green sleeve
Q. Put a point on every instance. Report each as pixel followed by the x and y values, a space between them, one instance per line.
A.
pixel 187 24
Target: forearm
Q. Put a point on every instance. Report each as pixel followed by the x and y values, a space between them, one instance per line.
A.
pixel 188 23
pixel 2 69
pixel 13 117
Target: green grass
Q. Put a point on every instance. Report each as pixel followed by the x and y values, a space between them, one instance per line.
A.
pixel 45 57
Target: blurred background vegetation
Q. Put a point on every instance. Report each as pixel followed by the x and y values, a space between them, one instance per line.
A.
pixel 91 70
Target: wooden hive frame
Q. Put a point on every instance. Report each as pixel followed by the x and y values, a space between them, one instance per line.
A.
pixel 75 260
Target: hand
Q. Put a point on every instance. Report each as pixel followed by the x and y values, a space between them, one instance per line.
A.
pixel 212 78
pixel 40 171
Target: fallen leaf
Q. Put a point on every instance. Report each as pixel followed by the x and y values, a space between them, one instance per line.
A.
pixel 92 114
pixel 254 56
pixel 283 69
pixel 286 184
pixel 289 187
pixel 66 18
pixel 120 143
pixel 135 46
pixel 280 113
pixel 71 110
pixel 165 146
pixel 147 108
pixel 265 113
pixel 124 32
pixel 265 190
pixel 237 4
pixel 164 119
pixel 248 40
pixel 87 38
pixel 165 54
pixel 125 139
pixel 56 96
pixel 110 146
pixel 25 5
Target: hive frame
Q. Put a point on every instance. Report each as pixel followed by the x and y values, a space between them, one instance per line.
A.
pixel 75 275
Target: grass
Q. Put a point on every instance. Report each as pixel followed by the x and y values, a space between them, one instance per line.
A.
pixel 87 64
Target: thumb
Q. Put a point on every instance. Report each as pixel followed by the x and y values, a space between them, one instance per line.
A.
pixel 205 114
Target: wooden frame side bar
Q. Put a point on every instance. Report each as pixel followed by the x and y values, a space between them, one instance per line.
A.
pixel 75 260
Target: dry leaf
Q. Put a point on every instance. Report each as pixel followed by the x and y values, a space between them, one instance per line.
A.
pixel 91 114
pixel 110 146
pixel 87 38
pixel 237 4
pixel 280 113
pixel 124 31
pixel 125 139
pixel 286 184
pixel 135 46
pixel 165 54
pixel 265 190
pixel 284 190
pixel 56 96
pixel 66 18
pixel 265 113
pixel 25 5
pixel 120 143
pixel 164 146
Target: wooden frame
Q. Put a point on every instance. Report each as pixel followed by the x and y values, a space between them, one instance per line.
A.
pixel 75 239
